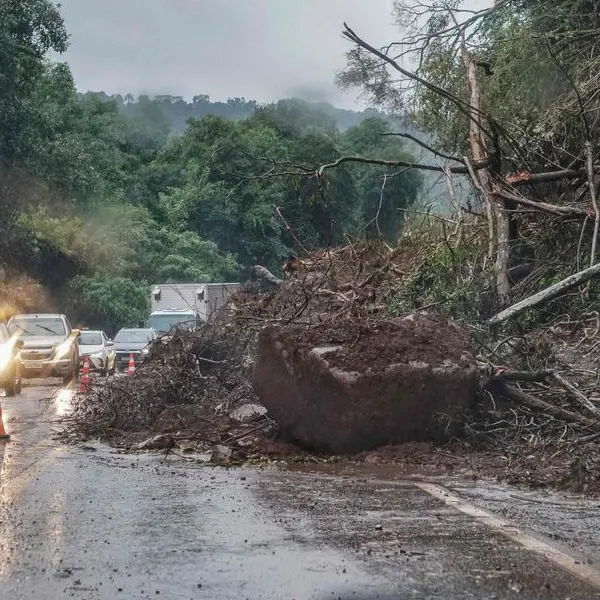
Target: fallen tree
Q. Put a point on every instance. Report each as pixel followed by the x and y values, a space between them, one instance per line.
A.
pixel 547 294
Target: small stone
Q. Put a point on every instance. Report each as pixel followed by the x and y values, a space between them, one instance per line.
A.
pixel 157 442
pixel 248 412
pixel 222 454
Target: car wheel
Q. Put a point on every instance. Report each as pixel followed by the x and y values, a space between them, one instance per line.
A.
pixel 10 389
pixel 19 386
pixel 68 378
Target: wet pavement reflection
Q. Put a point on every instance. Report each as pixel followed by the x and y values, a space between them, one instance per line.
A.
pixel 90 522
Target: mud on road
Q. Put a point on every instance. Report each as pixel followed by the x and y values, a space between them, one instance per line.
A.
pixel 90 522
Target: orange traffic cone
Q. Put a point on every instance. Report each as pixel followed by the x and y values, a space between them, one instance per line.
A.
pixel 131 367
pixel 3 435
pixel 84 382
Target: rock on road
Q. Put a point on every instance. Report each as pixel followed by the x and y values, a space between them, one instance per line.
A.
pixel 91 523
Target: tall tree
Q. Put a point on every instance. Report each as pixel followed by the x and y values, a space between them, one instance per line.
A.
pixel 28 30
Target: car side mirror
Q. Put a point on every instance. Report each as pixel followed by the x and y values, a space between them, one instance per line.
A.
pixel 110 343
pixel 76 332
pixel 19 344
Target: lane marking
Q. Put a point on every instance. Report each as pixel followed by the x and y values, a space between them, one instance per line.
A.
pixel 507 529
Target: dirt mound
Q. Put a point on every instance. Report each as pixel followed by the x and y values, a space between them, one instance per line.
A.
pixel 425 337
pixel 191 386
pixel 326 394
pixel 354 282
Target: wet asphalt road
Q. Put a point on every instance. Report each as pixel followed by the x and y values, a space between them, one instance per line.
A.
pixel 88 522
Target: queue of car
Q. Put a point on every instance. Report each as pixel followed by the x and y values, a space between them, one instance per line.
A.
pixel 46 345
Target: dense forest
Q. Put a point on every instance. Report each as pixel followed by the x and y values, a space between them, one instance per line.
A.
pixel 103 195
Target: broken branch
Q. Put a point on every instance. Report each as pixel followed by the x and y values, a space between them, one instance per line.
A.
pixel 578 395
pixel 408 136
pixel 592 186
pixel 543 206
pixel 546 295
pixel 557 412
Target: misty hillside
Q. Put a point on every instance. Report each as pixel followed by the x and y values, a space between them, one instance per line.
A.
pixel 174 111
pixel 164 114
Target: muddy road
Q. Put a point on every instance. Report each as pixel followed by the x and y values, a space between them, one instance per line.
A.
pixel 88 522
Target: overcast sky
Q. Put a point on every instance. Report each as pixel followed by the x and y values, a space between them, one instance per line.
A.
pixel 259 49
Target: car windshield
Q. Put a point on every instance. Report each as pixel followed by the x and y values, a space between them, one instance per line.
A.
pixel 90 338
pixel 37 327
pixel 167 322
pixel 133 335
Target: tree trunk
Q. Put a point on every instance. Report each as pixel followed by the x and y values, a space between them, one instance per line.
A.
pixel 495 209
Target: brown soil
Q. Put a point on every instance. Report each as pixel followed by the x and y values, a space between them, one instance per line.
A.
pixel 376 345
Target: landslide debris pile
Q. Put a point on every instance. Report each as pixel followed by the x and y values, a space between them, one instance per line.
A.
pixel 196 389
pixel 535 418
pixel 343 387
pixel 192 394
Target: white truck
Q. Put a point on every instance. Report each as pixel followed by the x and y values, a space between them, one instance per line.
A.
pixel 186 305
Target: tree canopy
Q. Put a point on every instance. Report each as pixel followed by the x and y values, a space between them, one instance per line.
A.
pixel 118 192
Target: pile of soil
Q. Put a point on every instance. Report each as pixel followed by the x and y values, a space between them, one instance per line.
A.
pixel 329 392
pixel 378 344
pixel 188 389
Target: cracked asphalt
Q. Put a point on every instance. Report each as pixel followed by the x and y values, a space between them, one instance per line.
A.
pixel 90 522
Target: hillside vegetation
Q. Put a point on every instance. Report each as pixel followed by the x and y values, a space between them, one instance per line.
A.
pixel 102 195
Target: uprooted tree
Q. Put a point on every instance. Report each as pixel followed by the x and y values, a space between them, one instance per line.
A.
pixel 511 96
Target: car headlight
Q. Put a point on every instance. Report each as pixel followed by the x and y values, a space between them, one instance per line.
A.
pixel 145 351
pixel 63 349
pixel 6 355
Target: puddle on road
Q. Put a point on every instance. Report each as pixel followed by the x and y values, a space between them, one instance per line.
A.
pixel 63 402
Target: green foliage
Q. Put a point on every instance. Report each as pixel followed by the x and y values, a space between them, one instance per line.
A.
pixel 28 29
pixel 539 84
pixel 110 303
pixel 449 280
pixel 172 113
pixel 122 192
pixel 382 200
pixel 214 182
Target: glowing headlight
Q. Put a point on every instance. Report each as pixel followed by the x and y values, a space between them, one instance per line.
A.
pixel 63 349
pixel 6 354
pixel 145 351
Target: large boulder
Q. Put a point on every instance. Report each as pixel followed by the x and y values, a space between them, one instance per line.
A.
pixel 346 387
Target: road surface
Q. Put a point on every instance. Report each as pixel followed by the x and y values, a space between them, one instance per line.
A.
pixel 88 522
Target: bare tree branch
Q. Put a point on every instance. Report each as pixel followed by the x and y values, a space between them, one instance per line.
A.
pixel 548 294
pixel 543 206
pixel 469 111
pixel 408 136
pixel 395 163
pixel 592 186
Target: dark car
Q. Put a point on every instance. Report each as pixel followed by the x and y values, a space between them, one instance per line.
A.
pixel 132 342
pixel 10 362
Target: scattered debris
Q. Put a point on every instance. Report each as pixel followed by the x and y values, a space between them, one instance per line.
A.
pixel 535 420
pixel 247 413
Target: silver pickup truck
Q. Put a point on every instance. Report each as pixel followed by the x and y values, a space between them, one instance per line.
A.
pixel 50 345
